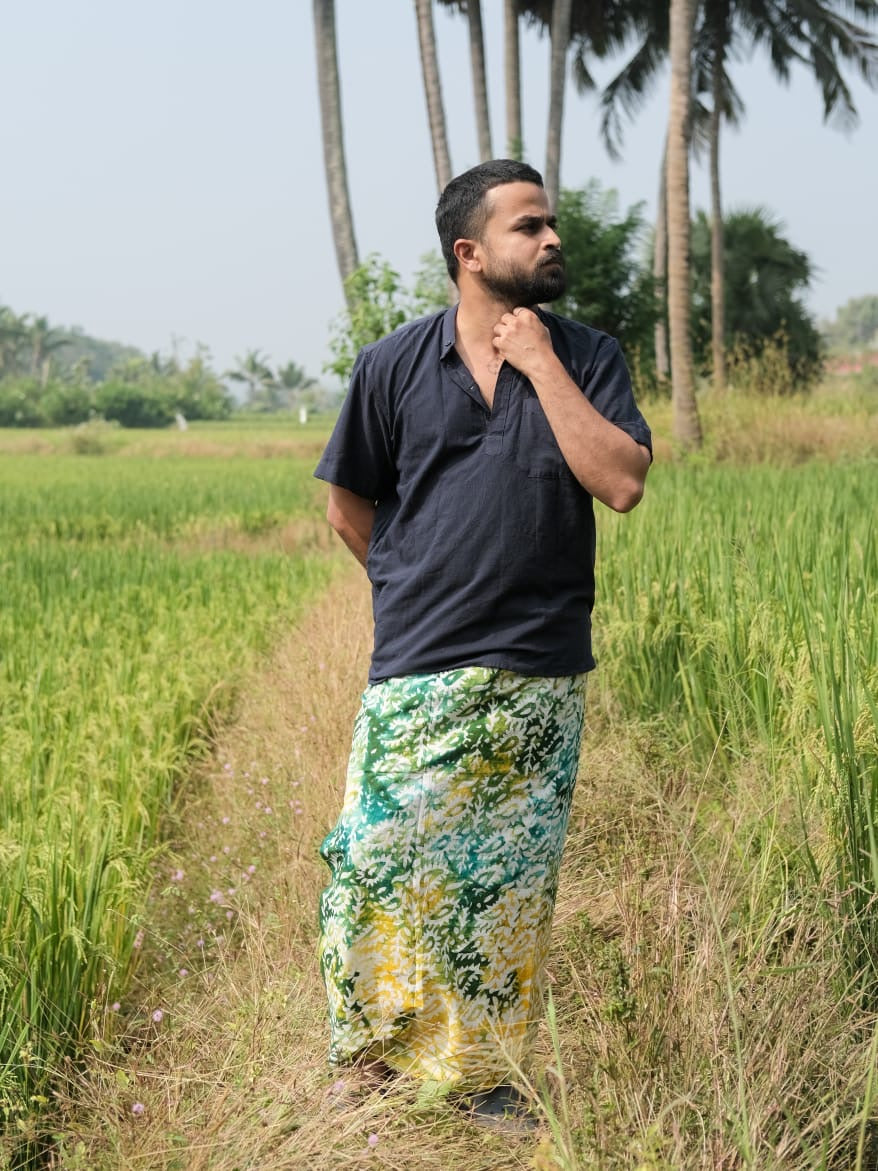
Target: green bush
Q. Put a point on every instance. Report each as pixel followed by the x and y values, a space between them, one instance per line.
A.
pixel 609 285
pixel 67 403
pixel 21 404
pixel 197 393
pixel 144 405
pixel 765 279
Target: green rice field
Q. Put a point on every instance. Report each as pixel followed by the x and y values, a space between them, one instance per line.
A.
pixel 135 591
pixel 736 634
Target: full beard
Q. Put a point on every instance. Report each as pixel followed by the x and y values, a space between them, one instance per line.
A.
pixel 547 282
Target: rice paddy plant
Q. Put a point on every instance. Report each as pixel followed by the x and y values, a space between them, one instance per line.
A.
pixel 696 622
pixel 843 647
pixel 121 642
pixel 738 610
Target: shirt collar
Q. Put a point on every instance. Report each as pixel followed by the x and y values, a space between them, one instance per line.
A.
pixel 449 319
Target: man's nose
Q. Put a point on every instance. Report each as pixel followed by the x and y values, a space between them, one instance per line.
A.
pixel 551 239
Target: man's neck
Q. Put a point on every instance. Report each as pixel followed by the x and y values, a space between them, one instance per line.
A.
pixel 477 314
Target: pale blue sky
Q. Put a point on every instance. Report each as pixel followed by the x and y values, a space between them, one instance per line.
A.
pixel 164 175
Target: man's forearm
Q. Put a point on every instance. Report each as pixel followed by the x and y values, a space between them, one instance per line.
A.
pixel 352 517
pixel 607 462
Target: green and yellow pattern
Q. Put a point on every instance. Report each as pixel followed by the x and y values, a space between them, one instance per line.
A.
pixel 444 867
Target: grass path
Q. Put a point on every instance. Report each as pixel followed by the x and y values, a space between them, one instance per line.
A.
pixel 234 1073
pixel 699 1021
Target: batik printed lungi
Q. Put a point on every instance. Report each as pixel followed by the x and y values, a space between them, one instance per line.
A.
pixel 444 868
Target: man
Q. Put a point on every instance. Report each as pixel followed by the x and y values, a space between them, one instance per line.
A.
pixel 462 471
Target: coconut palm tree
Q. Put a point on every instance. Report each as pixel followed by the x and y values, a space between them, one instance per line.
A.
pixel 13 331
pixel 813 33
pixel 433 92
pixel 329 91
pixel 660 272
pixel 686 425
pixel 291 384
pixel 43 341
pixel 472 9
pixel 512 75
pixel 766 279
pixel 559 33
pixel 255 373
pixel 589 30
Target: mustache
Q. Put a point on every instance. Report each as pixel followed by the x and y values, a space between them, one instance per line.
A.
pixel 554 257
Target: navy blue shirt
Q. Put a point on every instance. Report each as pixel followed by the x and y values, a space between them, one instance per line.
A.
pixel 482 550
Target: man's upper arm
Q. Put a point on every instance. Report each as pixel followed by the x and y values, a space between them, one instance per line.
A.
pixel 359 454
pixel 608 387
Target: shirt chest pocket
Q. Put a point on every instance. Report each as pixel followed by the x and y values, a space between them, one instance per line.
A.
pixel 537 451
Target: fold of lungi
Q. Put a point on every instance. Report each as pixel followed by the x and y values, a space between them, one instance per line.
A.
pixel 444 867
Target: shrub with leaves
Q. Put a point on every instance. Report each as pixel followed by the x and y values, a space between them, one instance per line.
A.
pixel 609 282
pixel 764 279
pixel 378 303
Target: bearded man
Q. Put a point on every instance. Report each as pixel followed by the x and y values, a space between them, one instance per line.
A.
pixel 462 474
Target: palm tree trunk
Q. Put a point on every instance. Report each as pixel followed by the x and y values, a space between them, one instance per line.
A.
pixel 686 426
pixel 660 271
pixel 433 92
pixel 512 61
pixel 717 250
pixel 333 138
pixel 480 84
pixel 559 34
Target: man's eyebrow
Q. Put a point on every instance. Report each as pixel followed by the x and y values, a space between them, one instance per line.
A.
pixel 533 218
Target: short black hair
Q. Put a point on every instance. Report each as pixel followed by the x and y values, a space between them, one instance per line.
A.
pixel 461 213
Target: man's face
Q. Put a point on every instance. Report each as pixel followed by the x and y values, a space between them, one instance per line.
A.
pixel 520 249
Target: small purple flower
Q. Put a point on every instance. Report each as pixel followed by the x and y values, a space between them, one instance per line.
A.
pixel 138 940
pixel 178 876
pixel 226 820
pixel 184 972
pixel 216 896
pixel 158 1016
pixel 372 1140
pixel 251 869
pixel 115 1006
pixel 138 1108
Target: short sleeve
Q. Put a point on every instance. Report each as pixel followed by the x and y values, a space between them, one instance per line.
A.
pixel 608 389
pixel 358 456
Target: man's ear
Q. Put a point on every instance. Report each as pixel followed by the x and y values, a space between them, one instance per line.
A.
pixel 467 255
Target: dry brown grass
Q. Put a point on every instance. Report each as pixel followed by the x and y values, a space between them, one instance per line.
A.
pixel 305 534
pixel 272 440
pixel 835 422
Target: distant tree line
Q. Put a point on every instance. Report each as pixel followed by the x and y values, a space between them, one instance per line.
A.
pixel 57 377
pixel 855 327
